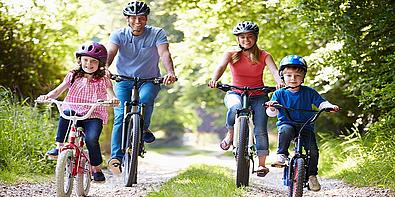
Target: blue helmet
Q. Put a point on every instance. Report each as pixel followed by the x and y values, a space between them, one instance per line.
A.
pixel 292 60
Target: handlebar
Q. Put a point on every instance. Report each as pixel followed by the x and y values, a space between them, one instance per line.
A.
pixel 75 117
pixel 227 87
pixel 155 80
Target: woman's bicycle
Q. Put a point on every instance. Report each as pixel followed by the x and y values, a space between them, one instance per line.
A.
pixel 243 136
pixel 73 160
pixel 132 128
pixel 295 171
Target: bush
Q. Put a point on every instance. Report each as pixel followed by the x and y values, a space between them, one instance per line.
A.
pixel 25 136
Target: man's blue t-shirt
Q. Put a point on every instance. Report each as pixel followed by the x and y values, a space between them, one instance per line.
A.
pixel 138 55
pixel 303 99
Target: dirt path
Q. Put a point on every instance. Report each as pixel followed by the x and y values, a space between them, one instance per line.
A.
pixel 155 169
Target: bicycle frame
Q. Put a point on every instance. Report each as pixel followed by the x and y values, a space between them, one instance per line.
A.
pixel 132 128
pixel 243 136
pixel 72 156
pixel 295 175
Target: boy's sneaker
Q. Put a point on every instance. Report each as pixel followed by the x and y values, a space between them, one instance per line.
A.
pixel 99 176
pixel 148 136
pixel 53 153
pixel 281 161
pixel 314 185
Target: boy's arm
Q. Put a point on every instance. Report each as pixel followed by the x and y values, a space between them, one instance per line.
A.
pixel 327 104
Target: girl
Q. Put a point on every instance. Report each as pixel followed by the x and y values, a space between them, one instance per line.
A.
pixel 86 84
pixel 247 66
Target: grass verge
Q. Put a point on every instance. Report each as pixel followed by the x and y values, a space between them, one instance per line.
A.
pixel 200 180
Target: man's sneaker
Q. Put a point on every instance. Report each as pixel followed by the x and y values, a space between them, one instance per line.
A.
pixel 53 153
pixel 281 161
pixel 148 136
pixel 314 185
pixel 99 176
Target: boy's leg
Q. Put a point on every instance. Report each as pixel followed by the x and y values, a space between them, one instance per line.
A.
pixel 309 143
pixel 286 133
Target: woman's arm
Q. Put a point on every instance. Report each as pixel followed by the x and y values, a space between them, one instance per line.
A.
pixel 219 71
pixel 273 69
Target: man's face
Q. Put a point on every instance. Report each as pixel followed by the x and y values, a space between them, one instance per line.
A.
pixel 137 23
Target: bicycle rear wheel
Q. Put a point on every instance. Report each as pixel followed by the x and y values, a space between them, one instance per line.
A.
pixel 298 175
pixel 84 177
pixel 132 151
pixel 243 160
pixel 64 176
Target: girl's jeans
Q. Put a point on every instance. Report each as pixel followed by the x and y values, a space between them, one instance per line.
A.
pixel 92 129
pixel 233 102
pixel 287 133
pixel 123 90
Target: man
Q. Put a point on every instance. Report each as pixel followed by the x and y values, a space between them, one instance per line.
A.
pixel 137 49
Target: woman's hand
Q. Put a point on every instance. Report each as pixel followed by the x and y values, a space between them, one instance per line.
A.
pixel 212 83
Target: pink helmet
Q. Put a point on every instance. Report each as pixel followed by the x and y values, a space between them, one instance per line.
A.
pixel 93 49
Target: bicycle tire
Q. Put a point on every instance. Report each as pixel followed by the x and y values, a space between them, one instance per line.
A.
pixel 132 151
pixel 243 160
pixel 298 175
pixel 83 178
pixel 64 177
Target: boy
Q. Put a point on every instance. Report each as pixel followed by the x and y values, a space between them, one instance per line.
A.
pixel 292 71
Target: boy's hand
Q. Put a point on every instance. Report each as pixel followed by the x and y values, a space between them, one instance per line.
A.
pixel 271 103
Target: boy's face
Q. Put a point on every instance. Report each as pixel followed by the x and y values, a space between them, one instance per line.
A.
pixel 89 64
pixel 293 77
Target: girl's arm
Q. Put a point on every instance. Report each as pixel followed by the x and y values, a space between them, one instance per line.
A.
pixel 273 69
pixel 55 93
pixel 110 92
pixel 220 69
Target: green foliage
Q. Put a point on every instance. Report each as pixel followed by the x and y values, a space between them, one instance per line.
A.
pixel 38 40
pixel 201 180
pixel 25 136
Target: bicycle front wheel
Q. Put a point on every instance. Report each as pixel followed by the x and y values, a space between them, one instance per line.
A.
pixel 64 176
pixel 243 161
pixel 298 175
pixel 84 177
pixel 132 151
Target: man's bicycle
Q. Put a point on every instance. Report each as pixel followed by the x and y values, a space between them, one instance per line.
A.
pixel 295 171
pixel 243 135
pixel 73 160
pixel 132 128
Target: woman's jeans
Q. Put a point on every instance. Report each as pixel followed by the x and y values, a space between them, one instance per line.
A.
pixel 287 133
pixel 92 129
pixel 123 90
pixel 233 102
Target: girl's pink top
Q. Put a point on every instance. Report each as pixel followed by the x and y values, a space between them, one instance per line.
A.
pixel 83 90
pixel 246 73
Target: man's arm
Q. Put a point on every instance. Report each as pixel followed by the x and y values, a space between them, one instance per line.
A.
pixel 165 55
pixel 112 50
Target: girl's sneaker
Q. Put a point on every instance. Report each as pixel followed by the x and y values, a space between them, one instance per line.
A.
pixel 99 176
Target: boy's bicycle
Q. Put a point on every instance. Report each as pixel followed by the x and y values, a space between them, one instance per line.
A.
pixel 73 160
pixel 132 128
pixel 243 135
pixel 295 171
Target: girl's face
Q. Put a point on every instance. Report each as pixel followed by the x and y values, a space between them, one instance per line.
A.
pixel 89 64
pixel 246 40
pixel 293 77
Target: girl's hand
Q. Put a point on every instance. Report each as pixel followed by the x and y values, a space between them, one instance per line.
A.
pixel 43 98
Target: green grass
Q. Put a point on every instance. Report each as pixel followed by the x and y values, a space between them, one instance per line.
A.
pixel 200 180
pixel 182 150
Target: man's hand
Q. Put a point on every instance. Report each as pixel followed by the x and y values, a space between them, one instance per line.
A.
pixel 169 79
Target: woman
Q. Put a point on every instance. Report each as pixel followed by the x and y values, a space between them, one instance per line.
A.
pixel 247 66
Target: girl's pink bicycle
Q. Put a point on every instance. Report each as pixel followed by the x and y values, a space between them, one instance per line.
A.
pixel 73 160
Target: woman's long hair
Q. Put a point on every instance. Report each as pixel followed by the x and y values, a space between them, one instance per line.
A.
pixel 254 54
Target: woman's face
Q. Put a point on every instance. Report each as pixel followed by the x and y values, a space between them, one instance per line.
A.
pixel 89 64
pixel 246 40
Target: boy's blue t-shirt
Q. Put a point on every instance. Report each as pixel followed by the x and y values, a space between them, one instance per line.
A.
pixel 138 55
pixel 303 99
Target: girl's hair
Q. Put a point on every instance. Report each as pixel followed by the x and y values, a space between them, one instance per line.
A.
pixel 254 55
pixel 78 72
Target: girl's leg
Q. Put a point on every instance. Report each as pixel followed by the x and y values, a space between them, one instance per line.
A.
pixel 93 128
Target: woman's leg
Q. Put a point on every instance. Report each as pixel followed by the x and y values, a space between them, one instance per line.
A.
pixel 260 127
